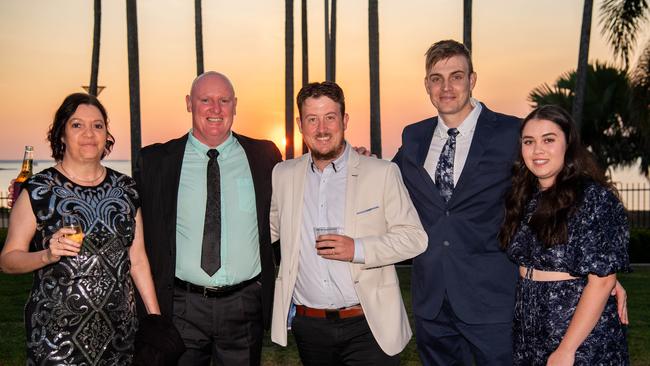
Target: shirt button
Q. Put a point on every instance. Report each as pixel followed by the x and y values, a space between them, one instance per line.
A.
pixel 447 213
pixel 445 243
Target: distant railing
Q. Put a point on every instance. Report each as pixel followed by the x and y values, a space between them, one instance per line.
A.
pixel 4 209
pixel 636 198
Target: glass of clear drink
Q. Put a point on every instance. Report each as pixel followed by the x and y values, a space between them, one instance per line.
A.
pixel 326 230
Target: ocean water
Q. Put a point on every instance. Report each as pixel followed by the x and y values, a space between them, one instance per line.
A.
pixel 9 169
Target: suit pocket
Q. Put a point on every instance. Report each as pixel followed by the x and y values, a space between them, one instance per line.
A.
pixel 367 210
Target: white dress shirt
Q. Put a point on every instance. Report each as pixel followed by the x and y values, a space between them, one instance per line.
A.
pixel 324 283
pixel 463 142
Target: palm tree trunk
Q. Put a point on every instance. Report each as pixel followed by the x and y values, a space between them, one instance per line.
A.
pixel 305 55
pixel 328 76
pixel 583 59
pixel 373 47
pixel 288 86
pixel 94 64
pixel 332 61
pixel 467 24
pixel 198 35
pixel 134 78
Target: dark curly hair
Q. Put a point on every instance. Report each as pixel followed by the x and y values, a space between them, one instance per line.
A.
pixel 63 114
pixel 328 89
pixel 557 203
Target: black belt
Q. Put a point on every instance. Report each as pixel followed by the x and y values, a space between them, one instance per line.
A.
pixel 213 291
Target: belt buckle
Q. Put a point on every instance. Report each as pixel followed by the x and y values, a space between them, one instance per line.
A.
pixel 332 314
pixel 205 291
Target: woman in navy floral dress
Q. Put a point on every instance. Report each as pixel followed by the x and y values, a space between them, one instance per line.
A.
pixel 81 310
pixel 567 230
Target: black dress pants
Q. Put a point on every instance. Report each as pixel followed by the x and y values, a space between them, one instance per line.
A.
pixel 348 341
pixel 225 330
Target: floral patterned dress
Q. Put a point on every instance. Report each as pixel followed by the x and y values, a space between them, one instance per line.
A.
pixel 598 240
pixel 81 310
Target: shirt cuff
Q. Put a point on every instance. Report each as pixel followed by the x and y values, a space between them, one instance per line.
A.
pixel 359 254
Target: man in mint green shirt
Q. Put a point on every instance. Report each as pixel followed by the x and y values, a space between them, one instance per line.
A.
pixel 219 312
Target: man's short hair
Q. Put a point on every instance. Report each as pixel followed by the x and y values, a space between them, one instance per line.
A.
pixel 328 89
pixel 443 50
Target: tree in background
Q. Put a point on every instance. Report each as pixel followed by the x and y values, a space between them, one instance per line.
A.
pixel 94 64
pixel 134 78
pixel 373 50
pixel 611 128
pixel 332 38
pixel 288 72
pixel 330 41
pixel 621 22
pixel 467 24
pixel 198 35
pixel 583 60
pixel 305 54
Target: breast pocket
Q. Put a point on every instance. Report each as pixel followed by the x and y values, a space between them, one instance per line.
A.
pixel 367 218
pixel 246 194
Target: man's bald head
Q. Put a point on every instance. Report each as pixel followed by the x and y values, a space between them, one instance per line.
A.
pixel 212 103
pixel 211 75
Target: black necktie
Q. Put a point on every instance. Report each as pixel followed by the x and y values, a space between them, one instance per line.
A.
pixel 445 168
pixel 211 248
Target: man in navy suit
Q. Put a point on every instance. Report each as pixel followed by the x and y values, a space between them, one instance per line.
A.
pixel 463 284
pixel 457 169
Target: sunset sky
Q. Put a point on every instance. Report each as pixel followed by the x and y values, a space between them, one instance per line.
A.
pixel 46 49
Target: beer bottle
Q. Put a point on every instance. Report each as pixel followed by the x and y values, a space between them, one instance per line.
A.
pixel 25 172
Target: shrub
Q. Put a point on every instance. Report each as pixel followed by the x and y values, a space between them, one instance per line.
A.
pixel 3 236
pixel 640 245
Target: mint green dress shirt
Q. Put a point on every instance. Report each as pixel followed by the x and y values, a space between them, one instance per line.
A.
pixel 240 255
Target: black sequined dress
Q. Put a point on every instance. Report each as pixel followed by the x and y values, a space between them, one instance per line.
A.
pixel 598 241
pixel 81 310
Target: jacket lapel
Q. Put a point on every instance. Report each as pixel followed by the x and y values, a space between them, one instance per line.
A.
pixel 351 192
pixel 298 191
pixel 485 129
pixel 174 163
pixel 417 156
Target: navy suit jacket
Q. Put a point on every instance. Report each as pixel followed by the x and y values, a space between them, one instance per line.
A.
pixel 463 258
pixel 157 174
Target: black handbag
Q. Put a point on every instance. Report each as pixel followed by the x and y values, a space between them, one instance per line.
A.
pixel 157 342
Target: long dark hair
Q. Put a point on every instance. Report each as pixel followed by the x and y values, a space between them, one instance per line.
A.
pixel 558 202
pixel 63 114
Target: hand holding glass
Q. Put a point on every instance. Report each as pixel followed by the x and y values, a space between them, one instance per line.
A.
pixel 72 222
pixel 319 231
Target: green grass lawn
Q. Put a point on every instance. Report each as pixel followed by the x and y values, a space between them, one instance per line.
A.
pixel 14 291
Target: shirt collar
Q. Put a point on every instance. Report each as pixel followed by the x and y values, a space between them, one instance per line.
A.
pixel 466 127
pixel 224 148
pixel 337 164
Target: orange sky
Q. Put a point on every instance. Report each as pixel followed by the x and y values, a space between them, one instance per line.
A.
pixel 46 47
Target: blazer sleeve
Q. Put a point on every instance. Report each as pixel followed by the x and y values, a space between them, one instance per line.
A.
pixel 404 237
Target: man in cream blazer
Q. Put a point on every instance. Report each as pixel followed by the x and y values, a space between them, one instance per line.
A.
pixel 344 288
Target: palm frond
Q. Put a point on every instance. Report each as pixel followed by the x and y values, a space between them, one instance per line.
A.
pixel 621 21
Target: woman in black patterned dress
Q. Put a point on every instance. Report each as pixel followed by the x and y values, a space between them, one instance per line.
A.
pixel 81 310
pixel 567 230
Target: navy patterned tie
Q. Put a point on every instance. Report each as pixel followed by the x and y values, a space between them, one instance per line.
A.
pixel 445 169
pixel 211 247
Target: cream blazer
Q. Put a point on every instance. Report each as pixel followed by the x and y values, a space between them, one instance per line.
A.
pixel 379 211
